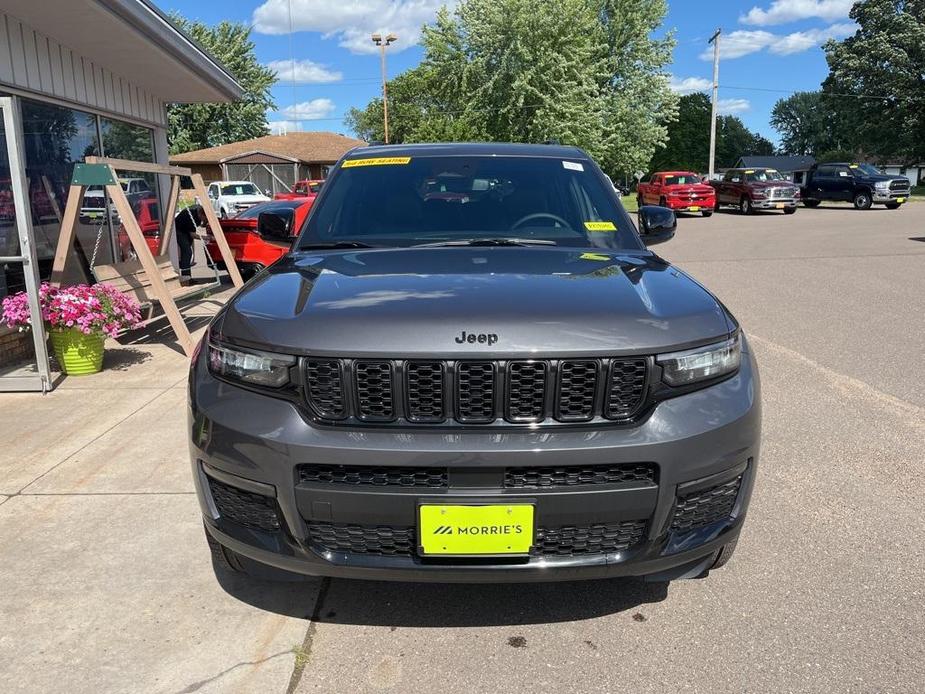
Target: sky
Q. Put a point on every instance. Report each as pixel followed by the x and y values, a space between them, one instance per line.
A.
pixel 322 52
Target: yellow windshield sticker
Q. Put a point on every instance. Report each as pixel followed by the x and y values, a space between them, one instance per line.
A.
pixel 594 256
pixel 600 226
pixel 750 171
pixel 853 166
pixel 376 161
pixel 771 170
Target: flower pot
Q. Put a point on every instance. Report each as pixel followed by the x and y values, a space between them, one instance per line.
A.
pixel 77 353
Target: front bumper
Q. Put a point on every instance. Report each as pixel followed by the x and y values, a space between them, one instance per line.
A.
pixel 774 203
pixel 698 443
pixel 899 196
pixel 694 206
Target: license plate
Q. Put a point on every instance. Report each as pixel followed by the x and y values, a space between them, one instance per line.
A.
pixel 481 529
pixel 694 208
pixel 780 205
pixel 900 200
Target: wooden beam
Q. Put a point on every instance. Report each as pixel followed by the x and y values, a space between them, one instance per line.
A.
pixel 46 185
pixel 75 197
pixel 158 286
pixel 171 212
pixel 143 167
pixel 199 187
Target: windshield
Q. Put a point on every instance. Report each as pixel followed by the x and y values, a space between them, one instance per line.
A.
pixel 406 201
pixel 867 169
pixel 240 189
pixel 684 179
pixel 763 175
pixel 277 207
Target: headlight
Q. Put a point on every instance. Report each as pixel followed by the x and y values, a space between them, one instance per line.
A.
pixel 701 364
pixel 250 366
pixel 882 185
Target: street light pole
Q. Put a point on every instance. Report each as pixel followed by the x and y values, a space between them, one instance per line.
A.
pixel 715 41
pixel 378 40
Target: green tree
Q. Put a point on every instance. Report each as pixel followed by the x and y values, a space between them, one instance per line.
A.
pixel 586 74
pixel 806 123
pixel 196 126
pixel 882 66
pixel 688 142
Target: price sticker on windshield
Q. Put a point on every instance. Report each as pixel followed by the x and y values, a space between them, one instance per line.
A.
pixel 600 226
pixel 376 161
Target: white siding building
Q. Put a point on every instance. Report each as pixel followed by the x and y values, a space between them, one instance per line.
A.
pixel 79 78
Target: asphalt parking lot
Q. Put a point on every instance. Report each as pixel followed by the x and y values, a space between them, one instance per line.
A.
pixel 107 586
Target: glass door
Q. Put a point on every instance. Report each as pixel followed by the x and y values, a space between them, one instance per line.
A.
pixel 23 355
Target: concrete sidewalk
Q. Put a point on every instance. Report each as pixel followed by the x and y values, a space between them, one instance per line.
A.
pixel 107 581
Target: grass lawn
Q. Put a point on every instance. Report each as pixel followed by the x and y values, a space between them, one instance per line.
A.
pixel 918 194
pixel 629 202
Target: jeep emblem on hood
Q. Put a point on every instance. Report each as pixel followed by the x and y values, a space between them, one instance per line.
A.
pixel 483 338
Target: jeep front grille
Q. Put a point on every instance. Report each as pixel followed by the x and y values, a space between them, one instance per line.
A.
pixel 475 392
pixel 637 474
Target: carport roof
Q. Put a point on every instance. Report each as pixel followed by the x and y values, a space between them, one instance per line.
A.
pixel 134 39
pixel 307 147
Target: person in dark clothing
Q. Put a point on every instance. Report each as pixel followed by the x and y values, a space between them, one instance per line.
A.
pixel 185 225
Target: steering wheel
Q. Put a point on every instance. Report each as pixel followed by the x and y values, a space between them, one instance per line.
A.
pixel 540 215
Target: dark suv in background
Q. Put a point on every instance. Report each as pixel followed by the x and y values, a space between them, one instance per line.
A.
pixel 471 368
pixel 861 184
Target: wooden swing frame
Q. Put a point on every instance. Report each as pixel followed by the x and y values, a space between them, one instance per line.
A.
pixel 102 171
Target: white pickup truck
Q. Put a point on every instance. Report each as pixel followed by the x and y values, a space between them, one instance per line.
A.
pixel 228 198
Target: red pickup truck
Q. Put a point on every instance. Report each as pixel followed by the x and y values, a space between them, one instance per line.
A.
pixel 682 191
pixel 302 189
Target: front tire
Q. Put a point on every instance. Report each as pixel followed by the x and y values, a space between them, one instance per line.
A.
pixel 639 201
pixel 892 205
pixel 811 203
pixel 790 210
pixel 707 213
pixel 862 200
pixel 222 214
pixel 662 202
pixel 745 205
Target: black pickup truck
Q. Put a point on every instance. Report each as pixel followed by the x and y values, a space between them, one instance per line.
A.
pixel 861 184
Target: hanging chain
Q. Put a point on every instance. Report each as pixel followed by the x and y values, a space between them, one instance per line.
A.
pixel 96 246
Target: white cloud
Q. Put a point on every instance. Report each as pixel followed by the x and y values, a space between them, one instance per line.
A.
pixel 281 127
pixel 800 41
pixel 351 22
pixel 689 85
pixel 303 71
pixel 308 110
pixel 726 107
pixel 739 43
pixel 783 11
pixel 745 42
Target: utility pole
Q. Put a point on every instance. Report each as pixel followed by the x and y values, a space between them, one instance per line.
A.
pixel 378 40
pixel 715 41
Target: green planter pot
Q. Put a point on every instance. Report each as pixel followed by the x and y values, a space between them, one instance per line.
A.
pixel 77 353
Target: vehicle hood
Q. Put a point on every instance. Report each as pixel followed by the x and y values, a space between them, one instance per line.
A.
pixel 417 302
pixel 762 185
pixel 882 178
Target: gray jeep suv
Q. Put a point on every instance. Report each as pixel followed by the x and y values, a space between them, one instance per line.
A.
pixel 471 368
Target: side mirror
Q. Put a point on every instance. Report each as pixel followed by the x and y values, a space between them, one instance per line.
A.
pixel 275 226
pixel 656 224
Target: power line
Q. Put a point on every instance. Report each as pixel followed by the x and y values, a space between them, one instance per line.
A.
pixel 886 97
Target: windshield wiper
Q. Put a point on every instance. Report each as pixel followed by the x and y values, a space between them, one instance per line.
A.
pixel 335 244
pixel 486 242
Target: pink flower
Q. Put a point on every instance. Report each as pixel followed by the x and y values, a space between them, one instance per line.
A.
pixel 91 308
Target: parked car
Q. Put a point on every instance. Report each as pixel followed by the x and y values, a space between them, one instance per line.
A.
pixel 147 212
pixel 93 206
pixel 681 191
pixel 230 198
pixel 861 184
pixel 509 388
pixel 756 189
pixel 302 189
pixel 255 246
